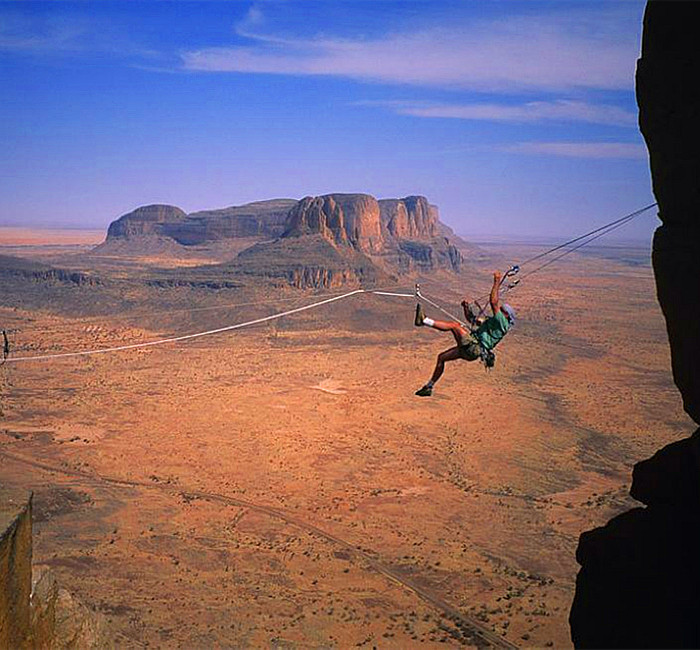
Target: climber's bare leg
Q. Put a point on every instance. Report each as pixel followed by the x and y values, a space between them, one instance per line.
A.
pixel 457 330
pixel 447 355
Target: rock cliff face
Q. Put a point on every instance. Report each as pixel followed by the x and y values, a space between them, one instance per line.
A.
pixel 144 221
pixel 405 232
pixel 34 611
pixel 260 219
pixel 409 218
pixel 639 577
pixel 15 567
pixel 343 219
pixel 362 221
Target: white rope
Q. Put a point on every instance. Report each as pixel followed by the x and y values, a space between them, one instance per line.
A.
pixel 387 293
pixel 434 304
pixel 185 337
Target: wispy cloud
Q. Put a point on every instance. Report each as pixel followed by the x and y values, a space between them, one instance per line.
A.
pixel 619 150
pixel 64 34
pixel 531 52
pixel 562 110
pixel 21 34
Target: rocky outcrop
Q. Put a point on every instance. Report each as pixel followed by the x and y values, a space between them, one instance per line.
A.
pixel 307 262
pixel 363 222
pixel 437 253
pixel 409 218
pixel 258 219
pixel 669 113
pixel 396 235
pixel 16 268
pixel 404 233
pixel 265 219
pixel 15 567
pixel 34 611
pixel 343 219
pixel 639 577
pixel 146 220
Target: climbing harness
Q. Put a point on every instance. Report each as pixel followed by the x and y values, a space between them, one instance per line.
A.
pixel 473 314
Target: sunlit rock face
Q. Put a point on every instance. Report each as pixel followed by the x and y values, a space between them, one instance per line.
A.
pixel 409 218
pixel 405 232
pixel 351 219
pixel 639 583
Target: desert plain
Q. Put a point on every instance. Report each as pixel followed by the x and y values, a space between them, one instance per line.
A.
pixel 281 486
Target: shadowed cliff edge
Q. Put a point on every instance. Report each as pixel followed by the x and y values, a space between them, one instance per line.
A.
pixel 639 582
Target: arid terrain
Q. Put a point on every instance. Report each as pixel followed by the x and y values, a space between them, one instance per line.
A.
pixel 281 485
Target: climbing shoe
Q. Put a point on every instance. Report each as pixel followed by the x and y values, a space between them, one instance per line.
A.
pixel 426 391
pixel 420 315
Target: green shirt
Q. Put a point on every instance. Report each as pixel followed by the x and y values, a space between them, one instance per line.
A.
pixel 492 330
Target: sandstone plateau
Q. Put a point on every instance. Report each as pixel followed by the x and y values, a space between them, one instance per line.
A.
pixel 262 218
pixel 327 240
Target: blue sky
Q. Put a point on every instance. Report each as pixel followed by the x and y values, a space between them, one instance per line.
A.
pixel 514 117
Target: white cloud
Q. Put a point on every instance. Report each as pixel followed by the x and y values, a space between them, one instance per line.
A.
pixel 620 150
pixel 542 111
pixel 513 53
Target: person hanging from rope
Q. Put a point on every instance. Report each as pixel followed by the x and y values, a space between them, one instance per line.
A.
pixel 471 345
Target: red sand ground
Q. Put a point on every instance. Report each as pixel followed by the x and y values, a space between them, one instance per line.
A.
pixel 17 236
pixel 285 488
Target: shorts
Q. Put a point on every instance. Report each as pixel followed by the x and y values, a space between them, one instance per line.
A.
pixel 469 350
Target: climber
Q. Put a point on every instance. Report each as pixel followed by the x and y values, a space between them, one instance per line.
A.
pixel 471 345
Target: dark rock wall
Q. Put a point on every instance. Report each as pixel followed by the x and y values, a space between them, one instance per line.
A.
pixel 668 93
pixel 639 583
pixel 34 612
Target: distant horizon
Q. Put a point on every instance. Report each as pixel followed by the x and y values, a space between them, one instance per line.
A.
pixel 608 241
pixel 483 237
